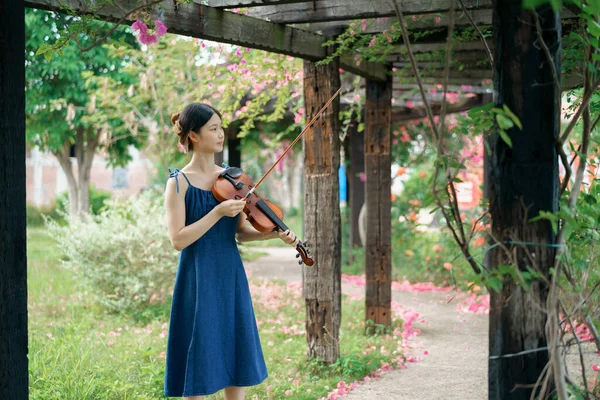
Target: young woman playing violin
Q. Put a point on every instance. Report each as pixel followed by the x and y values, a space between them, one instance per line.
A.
pixel 213 340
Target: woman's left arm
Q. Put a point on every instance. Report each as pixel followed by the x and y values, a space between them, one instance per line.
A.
pixel 247 233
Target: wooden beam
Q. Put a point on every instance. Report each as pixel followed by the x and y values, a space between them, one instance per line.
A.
pixel 439 73
pixel 336 10
pixel 14 376
pixel 482 17
pixel 441 46
pixel 434 81
pixel 199 21
pixel 248 3
pixel 400 114
pixel 322 282
pixel 378 260
pixel 366 69
pixel 466 56
pixel 461 87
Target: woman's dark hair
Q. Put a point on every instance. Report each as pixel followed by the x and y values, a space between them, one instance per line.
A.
pixel 193 117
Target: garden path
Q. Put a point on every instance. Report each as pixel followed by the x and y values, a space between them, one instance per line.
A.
pixel 455 366
pixel 452 345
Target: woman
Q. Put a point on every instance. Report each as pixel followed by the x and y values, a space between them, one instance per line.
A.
pixel 213 341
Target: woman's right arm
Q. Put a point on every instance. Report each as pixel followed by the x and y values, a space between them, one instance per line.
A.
pixel 182 236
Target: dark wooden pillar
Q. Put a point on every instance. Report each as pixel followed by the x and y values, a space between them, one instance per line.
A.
pixel 356 187
pixel 233 146
pixel 378 194
pixel 322 281
pixel 14 378
pixel 219 157
pixel 519 177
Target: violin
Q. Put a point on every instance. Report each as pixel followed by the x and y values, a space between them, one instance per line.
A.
pixel 234 184
pixel 265 216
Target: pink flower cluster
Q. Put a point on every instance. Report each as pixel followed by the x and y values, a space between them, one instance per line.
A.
pixel 581 330
pixel 146 36
pixel 475 304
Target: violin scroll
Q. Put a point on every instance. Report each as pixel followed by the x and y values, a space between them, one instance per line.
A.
pixel 304 253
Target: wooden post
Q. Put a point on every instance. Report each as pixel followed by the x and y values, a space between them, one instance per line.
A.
pixel 14 377
pixel 378 263
pixel 521 181
pixel 356 187
pixel 322 281
pixel 233 146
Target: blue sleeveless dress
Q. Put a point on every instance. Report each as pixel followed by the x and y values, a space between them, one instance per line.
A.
pixel 213 340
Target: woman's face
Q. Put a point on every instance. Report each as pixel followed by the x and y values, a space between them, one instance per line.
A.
pixel 211 137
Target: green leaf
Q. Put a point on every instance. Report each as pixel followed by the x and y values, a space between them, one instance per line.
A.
pixel 593 27
pixel 505 137
pixel 43 48
pixel 533 3
pixel 556 5
pixel 504 122
pixel 495 284
pixel 513 117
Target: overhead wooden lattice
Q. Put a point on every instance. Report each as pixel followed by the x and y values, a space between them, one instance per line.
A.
pixel 300 29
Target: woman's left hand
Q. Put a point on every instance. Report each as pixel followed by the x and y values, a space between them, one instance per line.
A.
pixel 288 237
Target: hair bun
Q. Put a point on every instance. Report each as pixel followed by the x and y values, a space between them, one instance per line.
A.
pixel 176 125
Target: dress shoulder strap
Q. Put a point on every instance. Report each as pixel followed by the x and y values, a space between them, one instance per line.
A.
pixel 174 173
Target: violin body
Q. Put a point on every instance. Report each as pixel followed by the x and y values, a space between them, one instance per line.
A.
pixel 265 216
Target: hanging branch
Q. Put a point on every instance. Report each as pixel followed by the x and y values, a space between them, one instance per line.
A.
pixel 75 37
pixel 461 241
pixel 474 25
pixel 559 145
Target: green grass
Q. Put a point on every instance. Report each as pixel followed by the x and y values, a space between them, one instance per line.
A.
pixel 77 351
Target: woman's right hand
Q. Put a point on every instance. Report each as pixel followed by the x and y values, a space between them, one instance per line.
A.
pixel 231 208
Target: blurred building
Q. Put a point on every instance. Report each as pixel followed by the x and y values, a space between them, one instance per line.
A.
pixel 46 179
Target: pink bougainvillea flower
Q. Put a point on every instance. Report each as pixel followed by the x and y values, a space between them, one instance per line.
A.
pixel 595 368
pixel 181 148
pixel 405 136
pixel 146 38
pixel 159 28
pixel 139 26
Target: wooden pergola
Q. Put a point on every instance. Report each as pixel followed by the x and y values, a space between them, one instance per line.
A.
pixel 296 28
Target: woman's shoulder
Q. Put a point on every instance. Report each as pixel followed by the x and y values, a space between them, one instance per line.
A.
pixel 174 175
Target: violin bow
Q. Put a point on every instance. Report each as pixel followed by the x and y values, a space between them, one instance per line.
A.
pixel 293 143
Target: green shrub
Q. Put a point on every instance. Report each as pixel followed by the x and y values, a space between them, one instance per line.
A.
pixel 35 214
pixel 122 257
pixel 98 198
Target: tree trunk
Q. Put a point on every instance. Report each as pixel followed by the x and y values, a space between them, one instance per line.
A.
pixel 521 181
pixel 378 262
pixel 64 160
pixel 322 281
pixel 86 145
pixel 85 150
pixel 14 378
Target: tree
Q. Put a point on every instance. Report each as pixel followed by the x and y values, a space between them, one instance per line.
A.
pixel 63 113
pixel 254 90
